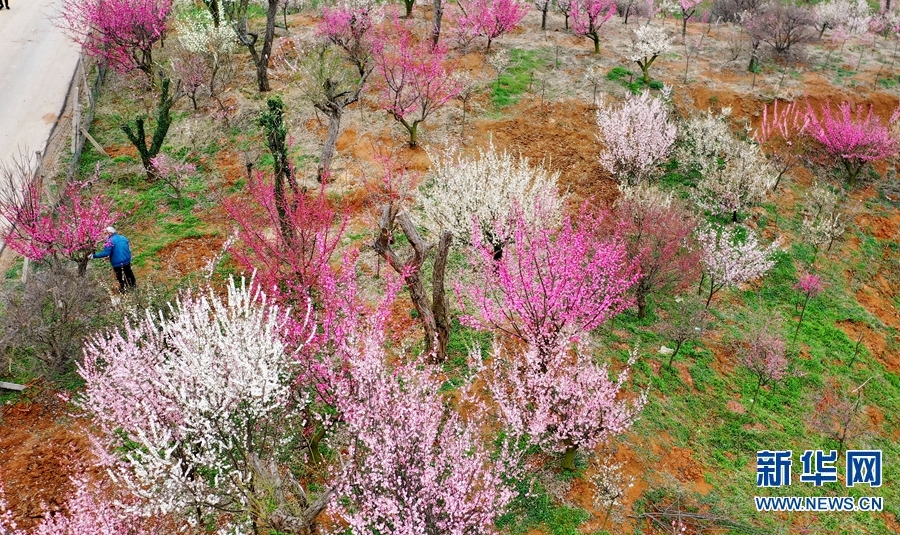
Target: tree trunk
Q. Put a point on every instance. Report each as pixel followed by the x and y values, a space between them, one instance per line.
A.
pixel 544 15
pixel 430 314
pixel 439 303
pixel 568 460
pixel 334 128
pixel 262 65
pixel 641 301
pixel 596 39
pixel 437 16
pixel 408 4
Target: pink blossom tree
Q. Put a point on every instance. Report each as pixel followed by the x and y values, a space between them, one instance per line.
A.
pixel 560 398
pixel 808 286
pixel 688 8
pixel 490 18
pixel 119 32
pixel 762 351
pixel 415 78
pixel 853 137
pixel 729 261
pixel 636 136
pixel 196 410
pixel 557 283
pixel 658 233
pixel 779 133
pixel 71 229
pixel 413 465
pixel 588 17
pixel 288 264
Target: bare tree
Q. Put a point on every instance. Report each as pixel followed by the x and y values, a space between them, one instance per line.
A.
pixel 238 17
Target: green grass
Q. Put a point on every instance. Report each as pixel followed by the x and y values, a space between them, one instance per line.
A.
pixel 534 508
pixel 519 75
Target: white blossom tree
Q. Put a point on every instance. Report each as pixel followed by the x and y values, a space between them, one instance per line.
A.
pixel 647 43
pixel 463 190
pixel 823 221
pixel 636 136
pixel 743 181
pixel 196 409
pixel 729 259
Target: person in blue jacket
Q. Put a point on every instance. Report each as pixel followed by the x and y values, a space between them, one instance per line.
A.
pixel 119 252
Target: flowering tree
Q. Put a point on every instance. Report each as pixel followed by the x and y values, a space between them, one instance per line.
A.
pixel 350 27
pixel 647 43
pixel 71 229
pixel 485 188
pixel 808 286
pixel 780 129
pixel 688 8
pixel 414 465
pixel 822 221
pixel 565 8
pixel 560 398
pixel 854 137
pixel 840 415
pixel 415 80
pixel 119 32
pixel 658 233
pixel 684 323
pixel 543 6
pixel 588 17
pixel 636 136
pixel 850 15
pixel 490 18
pixel 762 351
pixel 557 283
pixel 196 410
pixel 741 182
pixel 204 40
pixel 728 261
pixel 88 510
pixel 174 173
pixel 288 264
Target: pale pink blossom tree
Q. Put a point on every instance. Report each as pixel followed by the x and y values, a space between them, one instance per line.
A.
pixel 555 284
pixel 588 17
pixel 763 351
pixel 120 32
pixel 853 137
pixel 195 411
pixel 779 133
pixel 490 18
pixel 636 136
pixel 413 466
pixel 808 286
pixel 729 261
pixel 415 78
pixel 560 398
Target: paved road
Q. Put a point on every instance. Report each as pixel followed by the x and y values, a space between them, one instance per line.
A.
pixel 37 62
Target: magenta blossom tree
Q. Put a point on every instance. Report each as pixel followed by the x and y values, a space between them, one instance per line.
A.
pixel 490 18
pixel 560 398
pixel 414 465
pixel 71 230
pixel 588 17
pixel 119 32
pixel 415 78
pixel 853 137
pixel 288 264
pixel 688 8
pixel 729 261
pixel 556 283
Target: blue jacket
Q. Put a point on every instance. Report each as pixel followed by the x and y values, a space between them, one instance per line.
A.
pixel 117 249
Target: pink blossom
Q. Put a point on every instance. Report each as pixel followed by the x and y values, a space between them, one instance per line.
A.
pixel 554 284
pixel 588 16
pixel 809 284
pixel 490 18
pixel 855 137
